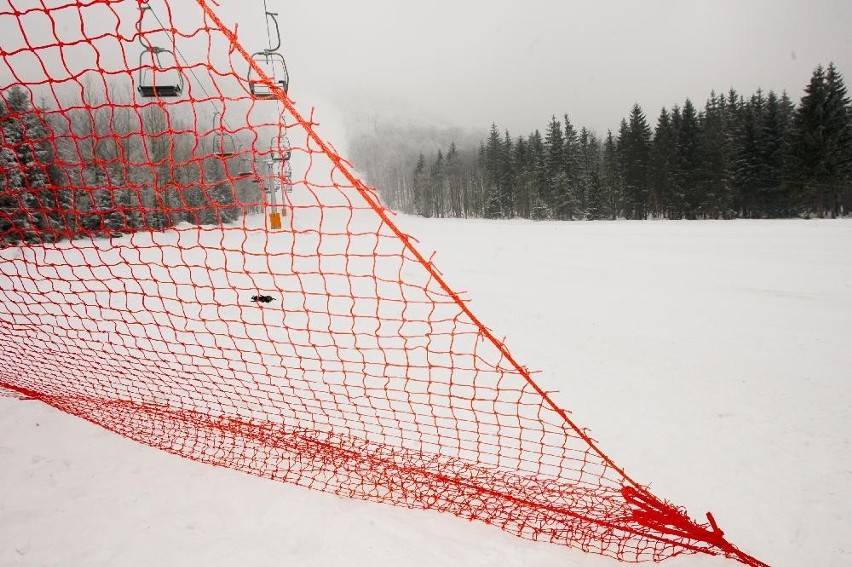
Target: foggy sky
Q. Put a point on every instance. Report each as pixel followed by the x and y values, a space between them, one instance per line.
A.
pixel 471 63
pixel 517 62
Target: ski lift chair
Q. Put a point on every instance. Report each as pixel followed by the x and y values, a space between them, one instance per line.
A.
pixel 149 87
pixel 279 146
pixel 224 145
pixel 245 171
pixel 275 62
pixel 288 179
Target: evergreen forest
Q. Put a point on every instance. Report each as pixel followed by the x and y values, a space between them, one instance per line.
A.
pixel 758 156
pixel 100 167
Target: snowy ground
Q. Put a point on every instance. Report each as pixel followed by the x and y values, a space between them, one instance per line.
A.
pixel 710 359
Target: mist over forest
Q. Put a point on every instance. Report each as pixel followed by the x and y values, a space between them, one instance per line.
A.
pixel 757 155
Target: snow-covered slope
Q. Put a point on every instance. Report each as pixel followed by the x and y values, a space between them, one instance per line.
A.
pixel 710 359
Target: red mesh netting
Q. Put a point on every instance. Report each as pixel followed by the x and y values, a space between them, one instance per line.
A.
pixel 185 262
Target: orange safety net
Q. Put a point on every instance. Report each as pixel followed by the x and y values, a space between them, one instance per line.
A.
pixel 184 261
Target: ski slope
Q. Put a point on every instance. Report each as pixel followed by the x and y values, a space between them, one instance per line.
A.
pixel 710 359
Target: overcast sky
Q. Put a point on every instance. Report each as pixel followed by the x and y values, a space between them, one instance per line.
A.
pixel 516 62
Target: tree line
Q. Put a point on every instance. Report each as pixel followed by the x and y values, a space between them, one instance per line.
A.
pixel 99 166
pixel 761 156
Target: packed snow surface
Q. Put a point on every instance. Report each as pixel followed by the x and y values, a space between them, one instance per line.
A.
pixel 709 359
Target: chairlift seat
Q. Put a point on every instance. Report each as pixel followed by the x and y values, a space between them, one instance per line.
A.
pixel 279 146
pixel 156 69
pixel 261 92
pixel 159 91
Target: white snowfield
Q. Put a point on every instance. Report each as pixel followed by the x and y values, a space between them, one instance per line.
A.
pixel 709 359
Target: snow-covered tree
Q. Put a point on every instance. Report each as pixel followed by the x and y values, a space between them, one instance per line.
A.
pixel 663 164
pixel 634 146
pixel 714 196
pixel 422 189
pixel 821 145
pixel 689 169
pixel 32 204
pixel 612 186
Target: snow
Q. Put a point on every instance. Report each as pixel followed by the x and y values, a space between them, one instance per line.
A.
pixel 709 359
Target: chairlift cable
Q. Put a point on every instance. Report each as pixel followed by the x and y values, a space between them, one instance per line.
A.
pixel 266 19
pixel 277 102
pixel 192 72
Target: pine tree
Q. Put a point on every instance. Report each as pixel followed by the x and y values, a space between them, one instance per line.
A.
pixel 454 183
pixel 820 146
pixel 556 188
pixel 590 198
pixel 492 155
pixel 775 126
pixel 715 191
pixel 750 173
pixel 808 151
pixel 507 180
pixel 634 146
pixel 689 165
pixel 663 165
pixel 839 137
pixel 524 178
pixel 422 196
pixel 571 166
pixel 437 178
pixel 539 207
pixel 611 183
